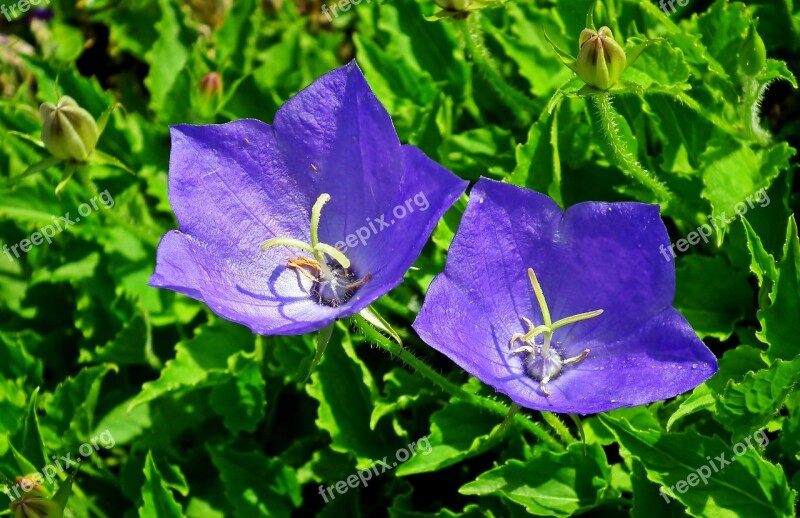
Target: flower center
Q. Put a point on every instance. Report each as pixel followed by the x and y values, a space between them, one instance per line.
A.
pixel 543 363
pixel 333 281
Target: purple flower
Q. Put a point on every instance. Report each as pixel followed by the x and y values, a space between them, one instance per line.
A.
pixel 286 228
pixel 42 13
pixel 563 311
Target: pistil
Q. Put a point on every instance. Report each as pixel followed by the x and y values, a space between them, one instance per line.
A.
pixel 549 364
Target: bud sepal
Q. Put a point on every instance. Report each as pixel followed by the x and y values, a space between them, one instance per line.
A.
pixel 601 59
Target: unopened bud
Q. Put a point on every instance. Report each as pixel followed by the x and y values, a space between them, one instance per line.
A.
pixel 454 5
pixel 210 12
pixel 211 84
pixel 36 507
pixel 601 60
pixel 753 54
pixel 68 131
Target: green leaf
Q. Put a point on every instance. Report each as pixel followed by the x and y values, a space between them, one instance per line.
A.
pixel 762 263
pixel 780 326
pixel 712 295
pixel 256 485
pixel 71 410
pixel 199 362
pixel 167 58
pixel 158 500
pixel 735 194
pixel 346 392
pixel 65 490
pixel 750 404
pixel 458 432
pixel 748 486
pixel 647 501
pixel 734 365
pixel 538 160
pixel 700 399
pixel 402 390
pixel 128 347
pixel 32 441
pixel 241 399
pixel 236 39
pixel 549 484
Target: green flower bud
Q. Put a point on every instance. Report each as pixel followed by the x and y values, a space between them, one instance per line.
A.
pixel 453 5
pixel 753 54
pixel 601 60
pixel 68 131
pixel 36 507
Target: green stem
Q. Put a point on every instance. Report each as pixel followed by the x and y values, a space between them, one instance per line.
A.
pixel 560 428
pixel 451 388
pixel 625 159
pixel 520 105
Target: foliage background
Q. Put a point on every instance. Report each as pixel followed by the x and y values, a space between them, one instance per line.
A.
pixel 212 421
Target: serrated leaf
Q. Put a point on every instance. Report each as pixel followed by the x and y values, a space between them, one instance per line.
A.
pixel 346 393
pixel 735 194
pixel 749 486
pixel 199 362
pixel 158 500
pixel 402 389
pixel 167 57
pixel 256 485
pixel 762 263
pixel 750 404
pixel 549 484
pixel 701 398
pixel 458 432
pixel 71 410
pixel 780 326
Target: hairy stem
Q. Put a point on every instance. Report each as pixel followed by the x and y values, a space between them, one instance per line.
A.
pixel 560 428
pixel 520 105
pixel 451 388
pixel 624 158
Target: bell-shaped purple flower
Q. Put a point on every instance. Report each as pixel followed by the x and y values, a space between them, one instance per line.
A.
pixel 563 311
pixel 286 228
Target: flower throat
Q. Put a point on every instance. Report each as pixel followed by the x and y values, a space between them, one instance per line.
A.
pixel 333 282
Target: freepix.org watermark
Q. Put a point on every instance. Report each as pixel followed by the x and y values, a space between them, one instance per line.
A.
pixel 715 465
pixel 704 231
pixel 343 5
pixel 380 467
pixel 23 6
pixel 668 6
pixel 48 232
pixel 60 465
pixel 375 226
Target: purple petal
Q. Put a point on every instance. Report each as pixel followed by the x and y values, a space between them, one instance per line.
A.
pixel 428 191
pixel 233 186
pixel 244 288
pixel 594 256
